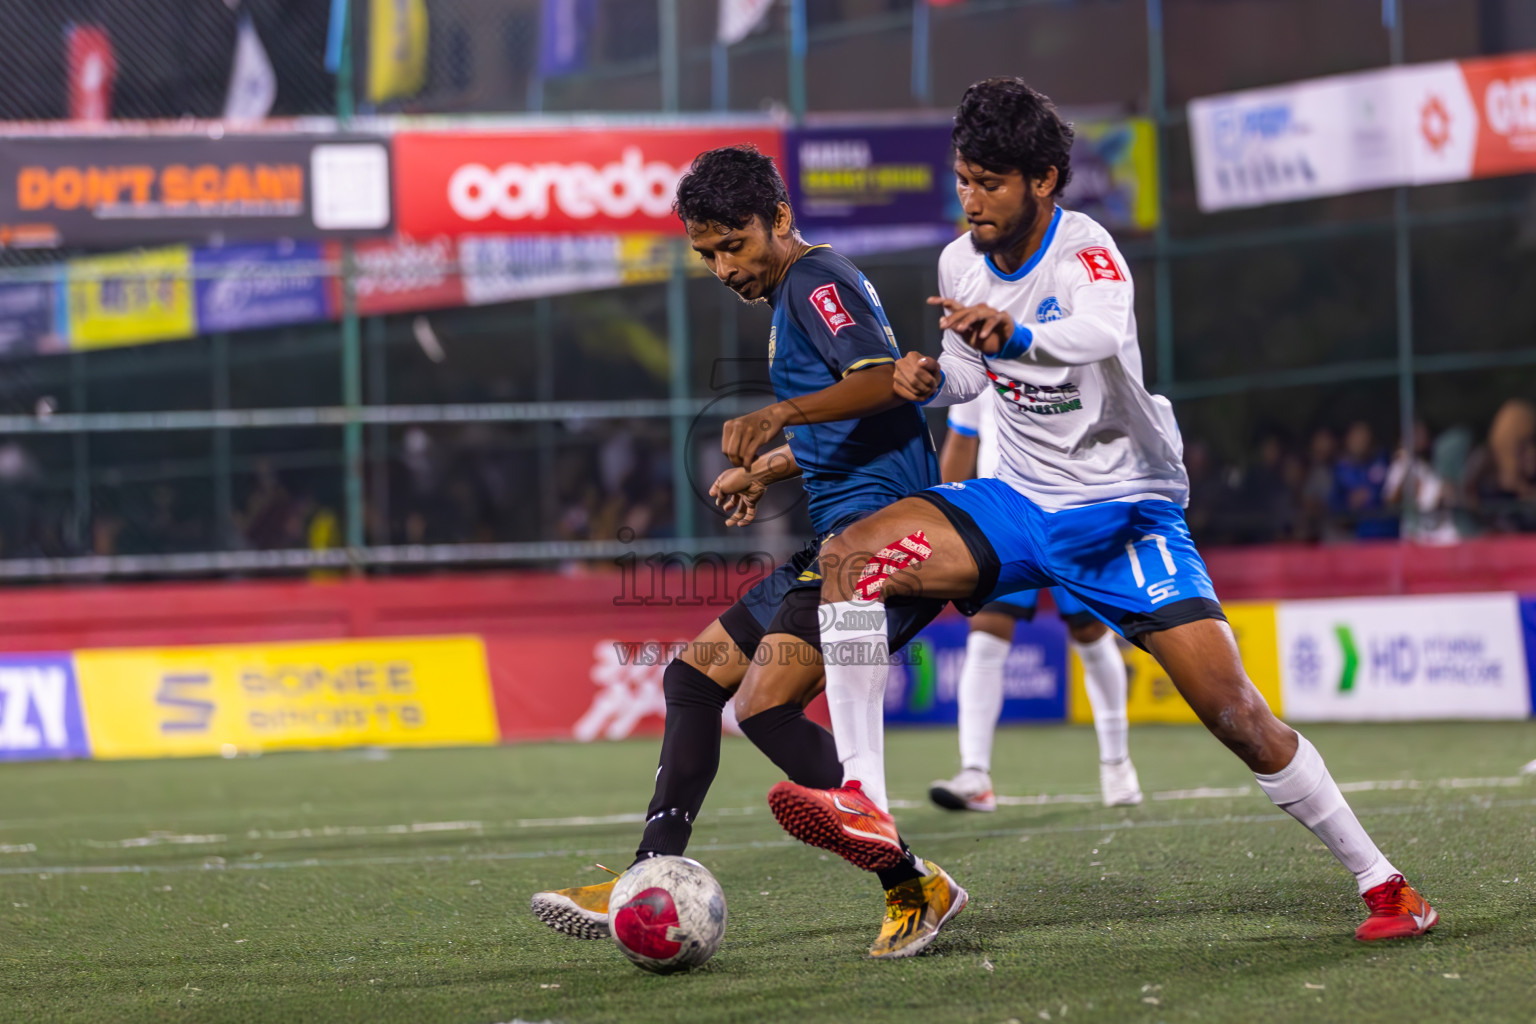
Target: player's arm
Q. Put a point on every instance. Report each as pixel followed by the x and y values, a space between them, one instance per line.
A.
pixel 864 392
pixel 957 460
pixel 738 490
pixel 962 443
pixel 1101 302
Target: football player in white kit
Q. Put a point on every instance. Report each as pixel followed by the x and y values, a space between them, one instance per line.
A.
pixel 970 451
pixel 1089 495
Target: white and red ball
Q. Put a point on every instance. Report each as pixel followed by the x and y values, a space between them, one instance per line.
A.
pixel 667 914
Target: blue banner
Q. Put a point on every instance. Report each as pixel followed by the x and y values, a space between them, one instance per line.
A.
pixel 240 287
pixel 26 320
pixel 923 688
pixel 563 36
pixel 40 713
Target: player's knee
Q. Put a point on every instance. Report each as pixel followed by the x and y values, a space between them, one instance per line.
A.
pixel 1247 726
pixel 759 692
pixel 683 684
pixel 1090 632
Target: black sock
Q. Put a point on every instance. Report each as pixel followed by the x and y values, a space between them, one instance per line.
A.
pixel 903 872
pixel 690 756
pixel 802 749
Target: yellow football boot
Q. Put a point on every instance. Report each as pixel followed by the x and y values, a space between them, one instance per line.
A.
pixel 915 911
pixel 580 912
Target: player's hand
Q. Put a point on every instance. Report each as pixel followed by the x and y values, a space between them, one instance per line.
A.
pixel 917 377
pixel 983 328
pixel 737 492
pixel 743 436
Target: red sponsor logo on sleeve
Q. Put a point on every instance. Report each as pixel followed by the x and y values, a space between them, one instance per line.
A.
pixel 829 305
pixel 1101 264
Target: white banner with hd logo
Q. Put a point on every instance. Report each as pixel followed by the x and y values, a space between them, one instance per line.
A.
pixel 1378 659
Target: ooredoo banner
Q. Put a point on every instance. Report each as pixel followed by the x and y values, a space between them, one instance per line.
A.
pixel 608 180
pixel 1390 658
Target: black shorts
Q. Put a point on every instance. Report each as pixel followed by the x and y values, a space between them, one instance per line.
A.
pixel 788 600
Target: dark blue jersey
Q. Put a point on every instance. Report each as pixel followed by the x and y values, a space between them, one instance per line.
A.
pixel 827 323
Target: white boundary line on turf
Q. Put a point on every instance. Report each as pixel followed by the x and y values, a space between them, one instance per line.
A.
pixel 1123 825
pixel 166 838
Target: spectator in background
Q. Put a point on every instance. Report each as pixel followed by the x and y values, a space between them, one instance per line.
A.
pixel 1262 508
pixel 1359 476
pixel 1316 488
pixel 1206 493
pixel 1501 475
pixel 1413 486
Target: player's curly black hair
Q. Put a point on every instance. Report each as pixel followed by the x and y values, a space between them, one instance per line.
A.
pixel 730 186
pixel 1004 125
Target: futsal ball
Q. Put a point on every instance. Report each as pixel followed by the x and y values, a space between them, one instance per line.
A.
pixel 667 914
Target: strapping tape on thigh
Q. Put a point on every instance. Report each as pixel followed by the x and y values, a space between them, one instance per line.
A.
pixel 904 554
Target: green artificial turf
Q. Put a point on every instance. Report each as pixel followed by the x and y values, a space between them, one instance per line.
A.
pixel 393 886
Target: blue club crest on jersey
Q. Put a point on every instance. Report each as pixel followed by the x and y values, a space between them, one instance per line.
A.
pixel 1049 310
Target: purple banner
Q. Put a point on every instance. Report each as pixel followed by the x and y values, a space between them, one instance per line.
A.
pixel 40 708
pixel 240 287
pixel 26 320
pixel 868 176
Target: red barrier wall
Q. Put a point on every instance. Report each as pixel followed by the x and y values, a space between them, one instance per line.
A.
pixel 549 638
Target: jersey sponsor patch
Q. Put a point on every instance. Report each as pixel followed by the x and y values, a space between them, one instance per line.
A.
pixel 1041 400
pixel 829 305
pixel 1101 264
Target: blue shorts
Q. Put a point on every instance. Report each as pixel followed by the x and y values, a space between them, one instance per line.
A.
pixel 1131 563
pixel 1025 603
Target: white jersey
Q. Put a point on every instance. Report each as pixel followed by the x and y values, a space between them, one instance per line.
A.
pixel 1075 424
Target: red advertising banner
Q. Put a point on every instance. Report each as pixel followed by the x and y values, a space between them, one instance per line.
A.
pixel 402 275
pixel 1504 89
pixel 609 180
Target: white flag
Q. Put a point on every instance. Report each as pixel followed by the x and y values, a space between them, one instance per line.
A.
pixel 739 17
pixel 252 83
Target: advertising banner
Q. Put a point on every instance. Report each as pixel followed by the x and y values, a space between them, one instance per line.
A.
pixel 1152 696
pixel 870 188
pixel 260 284
pixel 40 708
pixel 1410 125
pixel 26 320
pixel 401 275
pixel 924 684
pixel 500 268
pixel 190 701
pixel 1379 659
pixel 581 181
pixel 130 297
pixel 114 191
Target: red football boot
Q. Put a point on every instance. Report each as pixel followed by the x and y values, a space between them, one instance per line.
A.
pixel 1397 912
pixel 843 820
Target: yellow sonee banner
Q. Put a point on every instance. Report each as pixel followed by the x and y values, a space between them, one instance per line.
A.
pixel 1152 696
pixel 189 701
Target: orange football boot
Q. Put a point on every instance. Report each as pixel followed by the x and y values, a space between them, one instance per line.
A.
pixel 1397 912
pixel 843 820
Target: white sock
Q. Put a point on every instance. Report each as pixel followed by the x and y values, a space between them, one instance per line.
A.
pixel 1104 678
pixel 857 663
pixel 1305 791
pixel 981 697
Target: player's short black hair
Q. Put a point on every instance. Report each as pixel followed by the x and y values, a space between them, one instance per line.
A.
pixel 730 185
pixel 1004 125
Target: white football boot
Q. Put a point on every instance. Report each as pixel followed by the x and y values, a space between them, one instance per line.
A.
pixel 971 790
pixel 1118 783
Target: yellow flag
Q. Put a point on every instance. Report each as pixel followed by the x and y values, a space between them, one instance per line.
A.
pixel 397 48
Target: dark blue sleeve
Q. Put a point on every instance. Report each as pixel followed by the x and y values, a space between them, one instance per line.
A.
pixel 840 318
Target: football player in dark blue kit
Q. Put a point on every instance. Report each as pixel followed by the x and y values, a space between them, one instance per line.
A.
pixel 856 449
